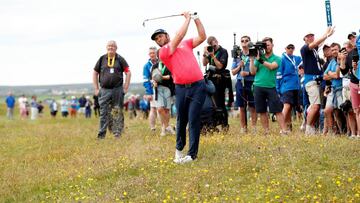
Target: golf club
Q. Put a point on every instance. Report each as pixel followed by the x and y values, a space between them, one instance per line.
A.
pixel 169 16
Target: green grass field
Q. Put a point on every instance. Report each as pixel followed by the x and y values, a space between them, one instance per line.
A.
pixel 60 160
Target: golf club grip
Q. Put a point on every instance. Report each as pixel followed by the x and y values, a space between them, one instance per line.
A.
pixel 195 13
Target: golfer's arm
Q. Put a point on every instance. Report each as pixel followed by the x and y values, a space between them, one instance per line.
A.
pixel 179 35
pixel 201 33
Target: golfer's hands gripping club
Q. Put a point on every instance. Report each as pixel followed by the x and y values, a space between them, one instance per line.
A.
pixel 189 15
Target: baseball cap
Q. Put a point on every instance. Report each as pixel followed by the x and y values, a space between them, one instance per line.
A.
pixel 351 34
pixel 325 47
pixel 307 34
pixel 158 31
pixel 289 46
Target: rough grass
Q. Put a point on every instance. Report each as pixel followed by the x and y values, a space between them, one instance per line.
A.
pixel 60 160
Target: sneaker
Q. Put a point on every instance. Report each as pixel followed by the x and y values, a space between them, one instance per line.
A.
pixel 310 130
pixel 284 132
pixel 178 156
pixel 187 159
pixel 243 130
pixel 170 130
pixel 163 132
pixel 153 129
pixel 352 137
pixel 303 126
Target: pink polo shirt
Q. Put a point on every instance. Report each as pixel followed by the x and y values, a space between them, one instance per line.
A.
pixel 182 63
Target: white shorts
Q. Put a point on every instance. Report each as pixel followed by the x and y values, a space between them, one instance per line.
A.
pixel 313 90
pixel 334 99
pixel 164 97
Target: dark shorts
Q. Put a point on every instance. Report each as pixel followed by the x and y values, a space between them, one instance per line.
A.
pixel 291 97
pixel 64 113
pixel 244 94
pixel 265 97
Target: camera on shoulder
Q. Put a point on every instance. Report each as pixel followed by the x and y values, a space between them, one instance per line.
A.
pixel 257 48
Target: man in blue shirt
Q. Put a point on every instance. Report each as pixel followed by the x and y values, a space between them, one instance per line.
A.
pixel 244 82
pixel 288 82
pixel 334 98
pixel 10 104
pixel 149 87
pixel 313 73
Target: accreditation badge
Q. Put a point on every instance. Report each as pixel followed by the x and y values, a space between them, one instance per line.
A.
pixel 111 70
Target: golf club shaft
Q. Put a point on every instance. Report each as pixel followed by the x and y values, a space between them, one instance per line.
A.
pixel 165 17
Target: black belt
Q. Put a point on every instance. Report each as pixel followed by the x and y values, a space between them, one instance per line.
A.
pixel 190 84
pixel 110 88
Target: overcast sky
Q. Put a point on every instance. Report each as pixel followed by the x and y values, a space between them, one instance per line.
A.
pixel 59 41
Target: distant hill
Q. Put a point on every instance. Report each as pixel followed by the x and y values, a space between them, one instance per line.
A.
pixel 68 89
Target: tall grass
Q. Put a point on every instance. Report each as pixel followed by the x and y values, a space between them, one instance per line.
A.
pixel 61 160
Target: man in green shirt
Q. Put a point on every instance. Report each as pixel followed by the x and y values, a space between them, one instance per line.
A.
pixel 264 68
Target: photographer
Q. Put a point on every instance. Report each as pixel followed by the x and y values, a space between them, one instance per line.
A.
pixel 244 82
pixel 313 73
pixel 217 57
pixel 264 68
pixel 334 97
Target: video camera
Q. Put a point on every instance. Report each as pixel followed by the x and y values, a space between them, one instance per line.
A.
pixel 236 51
pixel 257 48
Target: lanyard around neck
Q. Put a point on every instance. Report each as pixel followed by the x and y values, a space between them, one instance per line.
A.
pixel 291 60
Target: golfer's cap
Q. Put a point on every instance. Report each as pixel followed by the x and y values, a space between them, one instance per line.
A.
pixel 351 34
pixel 158 31
pixel 308 34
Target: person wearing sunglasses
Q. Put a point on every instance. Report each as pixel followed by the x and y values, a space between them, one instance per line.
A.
pixel 244 82
pixel 288 83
